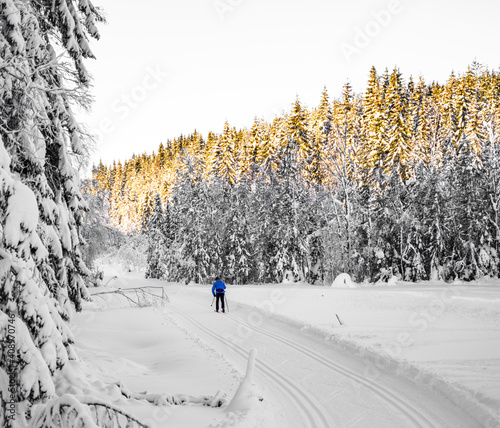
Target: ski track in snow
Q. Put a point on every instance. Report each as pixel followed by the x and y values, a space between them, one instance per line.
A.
pixel 308 380
pixel 312 412
pixel 413 415
pixel 416 418
pixel 313 415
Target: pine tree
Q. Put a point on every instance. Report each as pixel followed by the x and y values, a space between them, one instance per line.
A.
pixel 156 236
pixel 267 231
pixel 224 160
pixel 491 196
pixel 321 128
pixel 468 208
pixel 196 246
pixel 372 145
pixel 259 143
pixel 424 124
pixel 340 162
pixel 431 201
pixel 209 153
pixel 42 269
pixel 298 147
pixel 291 245
pixel 238 236
pixel 161 156
pixel 396 156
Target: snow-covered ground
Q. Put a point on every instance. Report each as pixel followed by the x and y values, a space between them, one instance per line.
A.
pixel 410 355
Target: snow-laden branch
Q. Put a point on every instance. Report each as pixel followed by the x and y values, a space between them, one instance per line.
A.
pixel 218 400
pixel 82 411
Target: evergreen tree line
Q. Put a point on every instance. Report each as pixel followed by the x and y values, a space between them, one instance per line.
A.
pixel 400 180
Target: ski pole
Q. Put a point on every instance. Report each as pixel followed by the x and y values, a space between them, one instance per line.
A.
pixel 227 306
pixel 338 319
pixel 212 302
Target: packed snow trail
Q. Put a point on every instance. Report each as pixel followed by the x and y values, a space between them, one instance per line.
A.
pixel 312 415
pixel 315 385
pixel 418 419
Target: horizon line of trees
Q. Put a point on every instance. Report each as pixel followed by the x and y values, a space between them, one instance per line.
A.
pixel 400 180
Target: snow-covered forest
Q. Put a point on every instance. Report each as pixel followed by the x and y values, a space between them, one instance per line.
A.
pixel 399 181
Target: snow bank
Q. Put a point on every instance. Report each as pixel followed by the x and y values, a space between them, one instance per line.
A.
pixel 443 339
pixel 343 280
pixel 246 397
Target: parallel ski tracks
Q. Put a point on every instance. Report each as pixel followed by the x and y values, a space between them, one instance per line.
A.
pixel 313 415
pixel 412 414
pixel 407 410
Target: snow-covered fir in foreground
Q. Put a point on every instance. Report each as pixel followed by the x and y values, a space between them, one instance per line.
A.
pixel 42 49
pixel 405 355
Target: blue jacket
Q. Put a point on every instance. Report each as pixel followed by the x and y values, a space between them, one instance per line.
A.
pixel 218 287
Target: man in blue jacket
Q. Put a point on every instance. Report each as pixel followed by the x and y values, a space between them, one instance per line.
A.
pixel 218 291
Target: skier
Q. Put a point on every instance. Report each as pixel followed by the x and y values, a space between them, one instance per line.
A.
pixel 218 291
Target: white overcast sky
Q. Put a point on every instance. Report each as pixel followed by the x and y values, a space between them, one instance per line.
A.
pixel 165 68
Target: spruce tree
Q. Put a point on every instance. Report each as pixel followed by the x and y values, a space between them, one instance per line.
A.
pixel 396 155
pixel 320 129
pixel 154 224
pixel 41 265
pixel 259 143
pixel 238 236
pixel 340 162
pixel 291 245
pixel 372 145
pixel 224 159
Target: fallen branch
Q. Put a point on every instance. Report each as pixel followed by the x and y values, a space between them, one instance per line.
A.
pixel 144 296
pixel 218 400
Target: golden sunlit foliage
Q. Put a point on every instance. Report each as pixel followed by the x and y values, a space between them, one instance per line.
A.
pixel 386 132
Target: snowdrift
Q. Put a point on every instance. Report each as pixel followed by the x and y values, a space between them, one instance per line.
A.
pixel 343 280
pixel 246 397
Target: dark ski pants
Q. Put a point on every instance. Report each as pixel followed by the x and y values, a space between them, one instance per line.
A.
pixel 219 296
